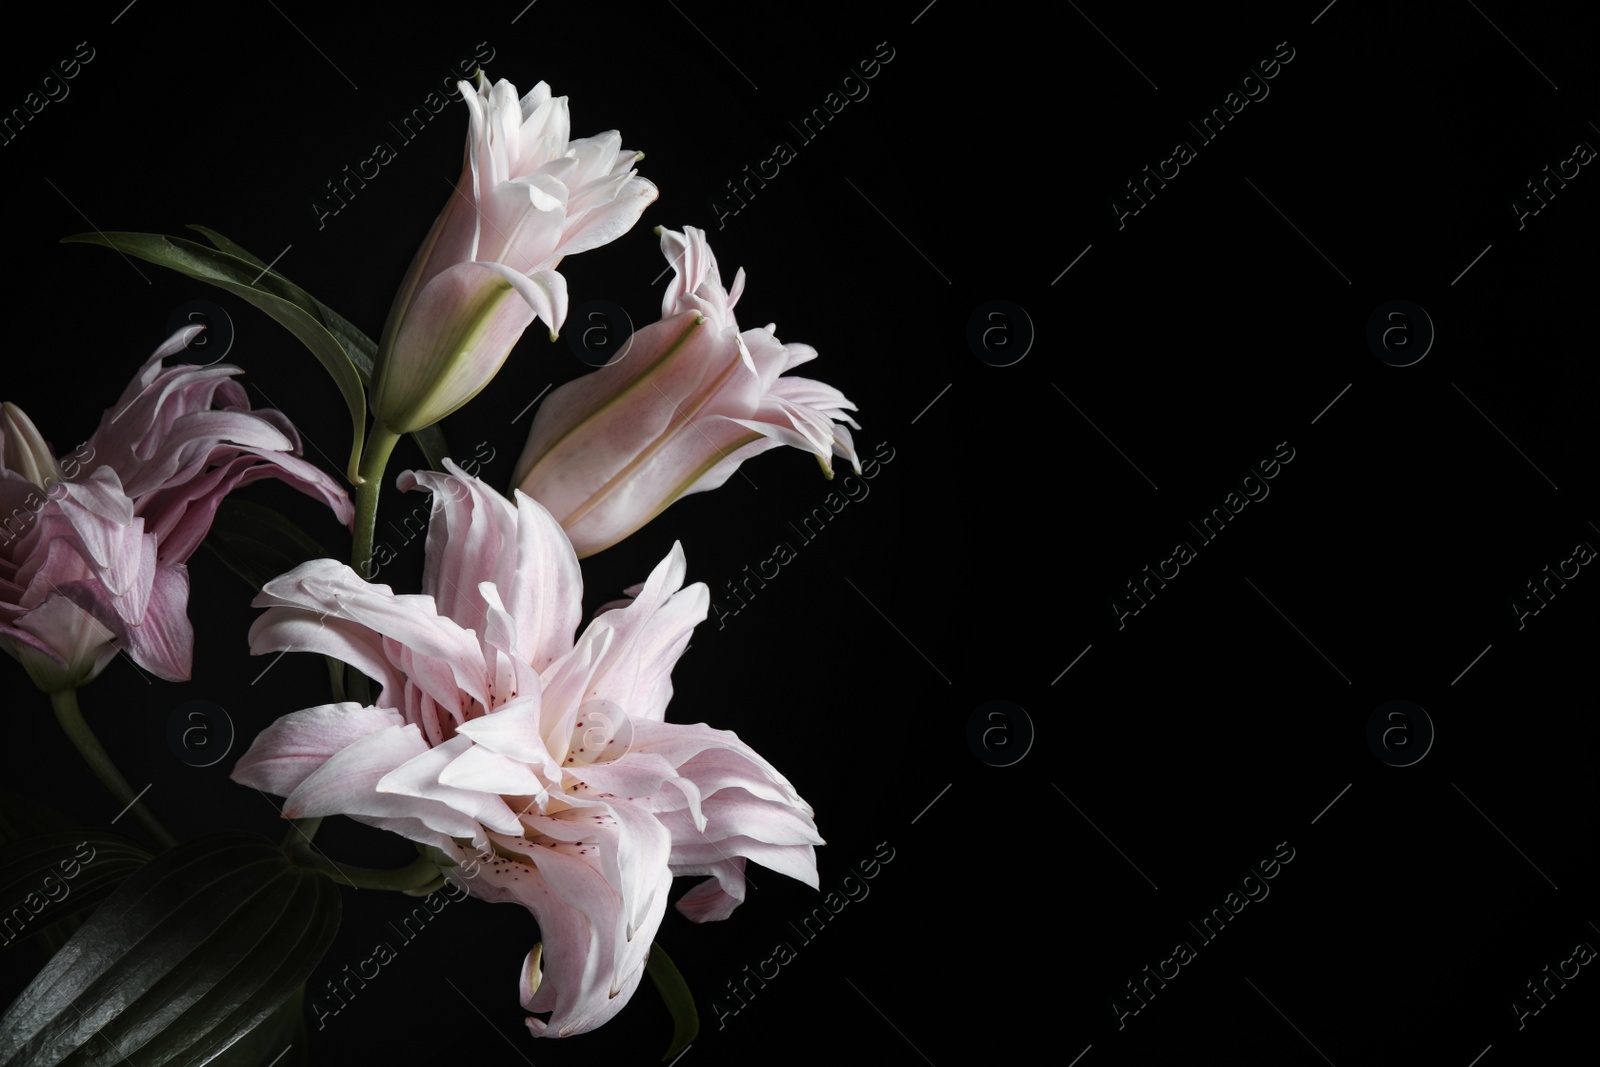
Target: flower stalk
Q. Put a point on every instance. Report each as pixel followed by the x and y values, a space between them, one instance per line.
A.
pixel 68 714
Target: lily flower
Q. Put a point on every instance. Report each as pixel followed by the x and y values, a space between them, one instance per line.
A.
pixel 541 765
pixel 93 546
pixel 691 398
pixel 527 197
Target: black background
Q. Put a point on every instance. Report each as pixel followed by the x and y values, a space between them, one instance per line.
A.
pixel 1181 348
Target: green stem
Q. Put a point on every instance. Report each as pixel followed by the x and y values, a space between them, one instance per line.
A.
pixel 88 745
pixel 419 873
pixel 301 831
pixel 374 460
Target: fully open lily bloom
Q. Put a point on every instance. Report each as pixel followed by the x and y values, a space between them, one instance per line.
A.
pixel 541 765
pixel 94 545
pixel 691 398
pixel 527 197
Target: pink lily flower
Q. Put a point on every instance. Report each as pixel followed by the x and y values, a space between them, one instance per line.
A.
pixel 527 197
pixel 94 546
pixel 691 398
pixel 542 766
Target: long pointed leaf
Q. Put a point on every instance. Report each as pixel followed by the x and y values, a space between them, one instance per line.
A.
pixel 266 291
pixel 674 990
pixel 47 878
pixel 363 350
pixel 187 956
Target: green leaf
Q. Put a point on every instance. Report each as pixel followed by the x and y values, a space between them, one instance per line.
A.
pixel 257 543
pixel 47 878
pixel 267 291
pixel 363 350
pixel 680 1002
pixel 186 957
pixel 280 1040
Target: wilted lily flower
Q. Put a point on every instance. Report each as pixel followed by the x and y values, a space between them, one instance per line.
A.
pixel 691 398
pixel 93 546
pixel 542 766
pixel 527 197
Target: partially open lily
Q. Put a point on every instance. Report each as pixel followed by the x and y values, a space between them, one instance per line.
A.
pixel 527 197
pixel 94 545
pixel 691 398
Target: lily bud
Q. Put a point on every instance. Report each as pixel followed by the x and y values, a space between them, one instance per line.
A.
pixel 527 197
pixel 691 399
pixel 25 451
